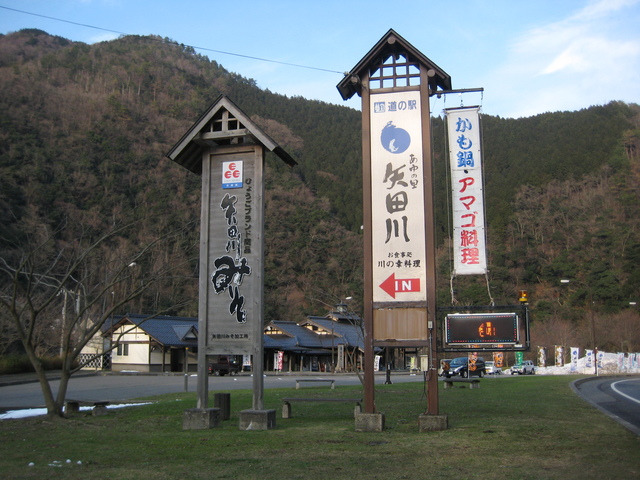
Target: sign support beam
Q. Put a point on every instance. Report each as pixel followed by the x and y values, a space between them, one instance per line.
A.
pixel 432 371
pixel 369 377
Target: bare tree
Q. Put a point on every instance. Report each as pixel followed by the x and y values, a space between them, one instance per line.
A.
pixel 73 287
pixel 620 332
pixel 8 335
pixel 554 330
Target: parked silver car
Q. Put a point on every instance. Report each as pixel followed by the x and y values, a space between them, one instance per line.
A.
pixel 524 368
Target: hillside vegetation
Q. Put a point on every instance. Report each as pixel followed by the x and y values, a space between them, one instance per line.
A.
pixel 85 129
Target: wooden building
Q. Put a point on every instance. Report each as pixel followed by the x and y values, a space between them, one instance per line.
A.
pixel 317 344
pixel 146 343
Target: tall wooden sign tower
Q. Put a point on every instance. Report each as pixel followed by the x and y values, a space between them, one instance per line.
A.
pixel 395 82
pixel 227 149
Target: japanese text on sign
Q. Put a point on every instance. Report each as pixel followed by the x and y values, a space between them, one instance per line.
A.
pixel 481 328
pixel 230 270
pixel 397 193
pixel 469 246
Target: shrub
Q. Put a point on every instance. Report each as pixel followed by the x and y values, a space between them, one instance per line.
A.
pixel 20 364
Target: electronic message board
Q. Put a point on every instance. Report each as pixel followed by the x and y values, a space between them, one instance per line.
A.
pixel 481 328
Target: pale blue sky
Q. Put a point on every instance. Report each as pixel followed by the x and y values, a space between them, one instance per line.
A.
pixel 530 56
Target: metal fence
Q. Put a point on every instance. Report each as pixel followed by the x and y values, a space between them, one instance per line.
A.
pixel 100 362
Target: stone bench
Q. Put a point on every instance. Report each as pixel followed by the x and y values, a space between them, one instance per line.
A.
pixel 473 382
pixel 99 408
pixel 315 380
pixel 286 407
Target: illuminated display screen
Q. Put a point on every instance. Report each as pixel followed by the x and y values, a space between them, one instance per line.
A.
pixel 482 328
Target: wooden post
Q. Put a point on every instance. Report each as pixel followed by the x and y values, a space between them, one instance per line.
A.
pixel 369 377
pixel 429 229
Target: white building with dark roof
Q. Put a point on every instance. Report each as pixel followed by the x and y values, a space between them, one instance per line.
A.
pixel 148 343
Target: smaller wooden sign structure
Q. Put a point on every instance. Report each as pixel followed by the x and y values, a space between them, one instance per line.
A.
pixel 228 150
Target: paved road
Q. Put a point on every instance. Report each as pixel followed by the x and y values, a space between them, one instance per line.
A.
pixel 618 397
pixel 120 388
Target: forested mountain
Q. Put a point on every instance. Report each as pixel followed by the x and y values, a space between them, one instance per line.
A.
pixel 84 131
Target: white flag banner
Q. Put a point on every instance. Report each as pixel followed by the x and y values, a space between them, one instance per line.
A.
pixel 559 356
pixel 620 361
pixel 589 360
pixel 575 354
pixel 600 358
pixel 542 357
pixel 467 191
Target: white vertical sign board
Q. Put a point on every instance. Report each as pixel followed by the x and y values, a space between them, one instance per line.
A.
pixel 469 240
pixel 397 198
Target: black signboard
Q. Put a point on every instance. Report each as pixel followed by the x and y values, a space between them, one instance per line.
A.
pixel 481 328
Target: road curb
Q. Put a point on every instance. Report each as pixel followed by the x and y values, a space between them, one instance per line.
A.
pixel 575 387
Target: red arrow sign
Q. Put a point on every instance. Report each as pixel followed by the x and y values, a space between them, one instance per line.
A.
pixel 393 286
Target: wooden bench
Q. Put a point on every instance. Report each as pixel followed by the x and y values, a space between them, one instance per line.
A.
pixel 72 406
pixel 473 382
pixel 286 407
pixel 314 380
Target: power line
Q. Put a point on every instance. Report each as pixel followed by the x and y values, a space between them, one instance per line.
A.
pixel 192 46
pixel 62 20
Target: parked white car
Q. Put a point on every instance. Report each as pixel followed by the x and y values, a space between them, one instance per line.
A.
pixel 492 369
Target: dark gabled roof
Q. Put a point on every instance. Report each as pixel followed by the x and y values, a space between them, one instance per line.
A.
pixel 346 332
pixel 344 316
pixel 210 130
pixel 298 337
pixel 108 324
pixel 186 332
pixel 390 44
pixel 283 342
pixel 295 335
pixel 167 331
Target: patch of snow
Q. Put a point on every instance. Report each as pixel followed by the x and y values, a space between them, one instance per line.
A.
pixel 34 412
pixel 609 364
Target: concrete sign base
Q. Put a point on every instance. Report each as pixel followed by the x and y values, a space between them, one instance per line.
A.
pixel 369 422
pixel 257 419
pixel 433 423
pixel 201 418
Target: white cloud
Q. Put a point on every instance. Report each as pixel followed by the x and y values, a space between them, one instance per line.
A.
pixel 591 57
pixel 599 8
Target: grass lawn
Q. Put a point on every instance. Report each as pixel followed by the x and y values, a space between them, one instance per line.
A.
pixel 516 428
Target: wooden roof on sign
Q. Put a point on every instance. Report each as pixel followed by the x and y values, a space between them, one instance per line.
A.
pixel 391 44
pixel 222 124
